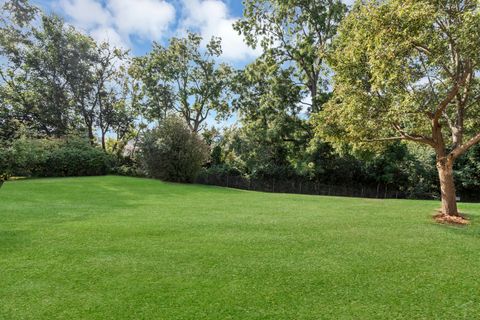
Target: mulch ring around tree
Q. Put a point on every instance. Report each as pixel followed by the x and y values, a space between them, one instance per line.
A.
pixel 455 220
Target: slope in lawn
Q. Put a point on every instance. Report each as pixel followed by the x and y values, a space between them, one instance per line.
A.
pixel 124 248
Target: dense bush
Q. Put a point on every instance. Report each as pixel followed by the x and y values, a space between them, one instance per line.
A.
pixel 172 152
pixel 4 165
pixel 467 175
pixel 54 158
pixel 75 160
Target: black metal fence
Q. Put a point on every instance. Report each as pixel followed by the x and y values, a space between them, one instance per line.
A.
pixel 305 187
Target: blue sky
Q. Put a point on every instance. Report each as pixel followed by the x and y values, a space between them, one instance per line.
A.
pixel 135 24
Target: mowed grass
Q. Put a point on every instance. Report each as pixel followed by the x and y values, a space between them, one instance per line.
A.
pixel 126 248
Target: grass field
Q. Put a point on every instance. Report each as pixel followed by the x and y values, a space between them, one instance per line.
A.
pixel 125 248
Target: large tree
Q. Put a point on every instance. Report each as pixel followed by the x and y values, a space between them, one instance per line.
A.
pixel 272 135
pixel 295 32
pixel 185 79
pixel 408 69
pixel 53 79
pixel 114 107
pixel 120 106
pixel 30 99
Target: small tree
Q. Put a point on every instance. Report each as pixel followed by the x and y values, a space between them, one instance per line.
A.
pixel 407 69
pixel 172 152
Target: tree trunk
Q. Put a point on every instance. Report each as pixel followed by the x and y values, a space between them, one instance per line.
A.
pixel 104 145
pixel 91 136
pixel 447 187
pixel 313 93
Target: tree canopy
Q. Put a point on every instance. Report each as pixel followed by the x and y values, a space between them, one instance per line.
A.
pixel 297 32
pixel 185 79
pixel 408 70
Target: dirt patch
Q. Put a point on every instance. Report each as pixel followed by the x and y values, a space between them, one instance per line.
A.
pixel 446 219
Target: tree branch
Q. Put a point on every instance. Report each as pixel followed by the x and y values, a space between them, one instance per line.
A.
pixel 451 95
pixel 458 151
pixel 385 139
pixel 414 137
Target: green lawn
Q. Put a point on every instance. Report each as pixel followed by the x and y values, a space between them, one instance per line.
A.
pixel 125 248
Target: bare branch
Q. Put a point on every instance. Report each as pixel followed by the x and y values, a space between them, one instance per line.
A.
pixel 385 139
pixel 414 137
pixel 306 103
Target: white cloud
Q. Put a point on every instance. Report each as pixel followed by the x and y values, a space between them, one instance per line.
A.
pixel 145 18
pixel 118 20
pixel 110 35
pixel 86 13
pixel 212 18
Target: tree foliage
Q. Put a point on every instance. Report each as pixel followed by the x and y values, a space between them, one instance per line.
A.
pixel 408 70
pixel 172 152
pixel 297 32
pixel 403 70
pixel 267 104
pixel 185 79
pixel 54 79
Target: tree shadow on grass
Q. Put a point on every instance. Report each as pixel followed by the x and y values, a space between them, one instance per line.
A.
pixel 14 239
pixel 472 229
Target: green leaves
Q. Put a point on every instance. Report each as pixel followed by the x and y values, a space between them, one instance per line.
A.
pixel 55 79
pixel 295 32
pixel 395 63
pixel 186 79
pixel 172 152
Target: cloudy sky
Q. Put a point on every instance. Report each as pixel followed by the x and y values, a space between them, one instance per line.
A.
pixel 134 24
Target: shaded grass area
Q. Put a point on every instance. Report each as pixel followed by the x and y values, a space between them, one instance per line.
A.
pixel 126 248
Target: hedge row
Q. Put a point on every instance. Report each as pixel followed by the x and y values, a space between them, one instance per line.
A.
pixel 54 158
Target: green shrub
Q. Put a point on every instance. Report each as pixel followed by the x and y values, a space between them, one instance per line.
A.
pixel 4 162
pixel 129 170
pixel 172 152
pixel 54 158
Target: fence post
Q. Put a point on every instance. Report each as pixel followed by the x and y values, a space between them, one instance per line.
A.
pixel 227 180
pixel 378 190
pixel 386 189
pixel 273 185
